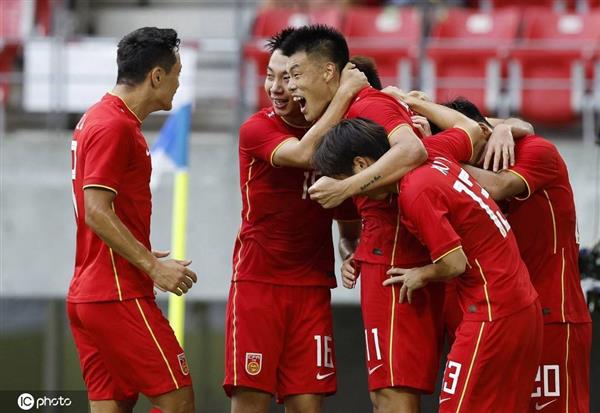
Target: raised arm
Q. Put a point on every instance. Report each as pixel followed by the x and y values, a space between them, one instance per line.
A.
pixel 298 153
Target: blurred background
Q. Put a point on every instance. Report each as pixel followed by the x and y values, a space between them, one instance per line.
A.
pixel 539 59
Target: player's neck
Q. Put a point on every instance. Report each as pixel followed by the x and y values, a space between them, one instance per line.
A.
pixel 135 99
pixel 296 122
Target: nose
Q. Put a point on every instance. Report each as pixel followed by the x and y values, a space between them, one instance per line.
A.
pixel 276 87
pixel 292 85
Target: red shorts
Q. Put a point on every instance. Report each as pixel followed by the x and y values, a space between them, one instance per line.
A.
pixel 126 348
pixel 403 341
pixel 279 339
pixel 491 365
pixel 566 353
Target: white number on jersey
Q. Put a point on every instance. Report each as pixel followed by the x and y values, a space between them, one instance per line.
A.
pixel 324 351
pixel 549 384
pixel 375 334
pixel 452 371
pixel 310 177
pixel 463 184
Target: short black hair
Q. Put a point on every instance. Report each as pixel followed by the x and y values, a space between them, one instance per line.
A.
pixel 142 50
pixel 320 40
pixel 369 68
pixel 274 43
pixel 464 106
pixel 349 139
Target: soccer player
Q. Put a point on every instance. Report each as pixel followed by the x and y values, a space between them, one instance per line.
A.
pixel 125 345
pixel 279 334
pixel 468 238
pixel 396 379
pixel 541 211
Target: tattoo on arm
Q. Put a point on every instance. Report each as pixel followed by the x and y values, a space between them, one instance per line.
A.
pixel 371 182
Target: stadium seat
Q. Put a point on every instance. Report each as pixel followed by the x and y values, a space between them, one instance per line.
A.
pixel 560 5
pixel 268 22
pixel 551 67
pixel 466 54
pixel 391 36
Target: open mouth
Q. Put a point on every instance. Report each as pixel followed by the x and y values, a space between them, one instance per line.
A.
pixel 301 102
pixel 279 103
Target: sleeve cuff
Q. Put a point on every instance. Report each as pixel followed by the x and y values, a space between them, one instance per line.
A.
pixel 276 148
pixel 448 251
pixel 526 184
pixel 102 187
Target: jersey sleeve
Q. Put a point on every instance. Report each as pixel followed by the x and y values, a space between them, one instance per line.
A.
pixel 426 217
pixel 384 111
pixel 536 163
pixel 454 144
pixel 260 138
pixel 106 156
pixel 346 211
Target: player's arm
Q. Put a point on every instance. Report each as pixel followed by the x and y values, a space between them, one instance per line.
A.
pixel 446 118
pixel 518 127
pixel 501 185
pixel 298 153
pixel 349 236
pixel 406 153
pixel 444 269
pixel 168 275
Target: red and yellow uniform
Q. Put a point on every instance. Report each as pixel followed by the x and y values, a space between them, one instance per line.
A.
pixel 544 223
pixel 279 336
pixel 403 341
pixel 125 345
pixel 501 328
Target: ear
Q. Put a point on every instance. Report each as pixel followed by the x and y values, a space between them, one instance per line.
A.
pixel 359 163
pixel 485 130
pixel 157 75
pixel 329 72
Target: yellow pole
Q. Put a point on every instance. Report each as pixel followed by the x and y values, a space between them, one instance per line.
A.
pixel 180 198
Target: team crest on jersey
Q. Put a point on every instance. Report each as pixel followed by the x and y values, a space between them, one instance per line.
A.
pixel 183 364
pixel 253 363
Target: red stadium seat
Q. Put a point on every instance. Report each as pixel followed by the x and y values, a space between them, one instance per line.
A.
pixel 466 53
pixel 391 36
pixel 268 22
pixel 551 66
pixel 556 4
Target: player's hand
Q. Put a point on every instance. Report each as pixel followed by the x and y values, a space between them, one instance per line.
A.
pixel 160 254
pixel 173 276
pixel 411 279
pixel 396 93
pixel 329 192
pixel 500 149
pixel 419 94
pixel 352 80
pixel 349 272
pixel 422 124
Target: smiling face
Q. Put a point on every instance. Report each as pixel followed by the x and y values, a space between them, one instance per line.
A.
pixel 312 84
pixel 276 87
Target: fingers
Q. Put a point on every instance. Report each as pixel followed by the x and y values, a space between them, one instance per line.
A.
pixel 511 153
pixel 488 157
pixel 396 271
pixel 393 280
pixel 409 295
pixel 505 157
pixel 402 293
pixel 160 288
pixel 190 274
pixel 160 254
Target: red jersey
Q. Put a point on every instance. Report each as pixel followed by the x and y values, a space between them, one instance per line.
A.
pixel 109 151
pixel 383 240
pixel 447 209
pixel 285 237
pixel 544 224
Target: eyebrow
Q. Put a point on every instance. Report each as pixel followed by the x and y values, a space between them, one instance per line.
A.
pixel 294 66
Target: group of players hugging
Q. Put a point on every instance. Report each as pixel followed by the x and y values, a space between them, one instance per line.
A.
pixel 448 250
pixel 460 229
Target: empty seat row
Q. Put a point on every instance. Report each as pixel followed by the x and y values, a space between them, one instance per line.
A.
pixel 532 60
